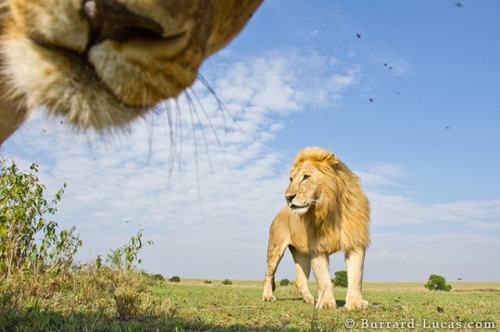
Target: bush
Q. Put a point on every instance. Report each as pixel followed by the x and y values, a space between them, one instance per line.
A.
pixel 28 240
pixel 284 282
pixel 227 282
pixel 175 279
pixel 437 282
pixel 33 255
pixel 340 279
pixel 207 282
pixel 157 276
pixel 125 257
pixel 103 293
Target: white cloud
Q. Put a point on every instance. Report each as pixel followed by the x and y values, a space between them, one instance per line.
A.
pixel 180 181
pixel 206 218
pixel 378 175
pixel 414 256
pixel 393 210
pixel 386 185
pixel 388 169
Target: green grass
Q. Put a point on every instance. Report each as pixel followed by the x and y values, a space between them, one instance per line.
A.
pixel 197 306
pixel 239 307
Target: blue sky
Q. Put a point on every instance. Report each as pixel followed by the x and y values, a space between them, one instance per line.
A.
pixel 298 76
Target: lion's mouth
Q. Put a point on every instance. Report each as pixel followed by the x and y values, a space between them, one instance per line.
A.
pixel 132 60
pixel 295 206
pixel 299 209
pixel 82 58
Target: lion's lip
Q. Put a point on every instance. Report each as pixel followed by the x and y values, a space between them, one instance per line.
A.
pixel 83 58
pixel 294 206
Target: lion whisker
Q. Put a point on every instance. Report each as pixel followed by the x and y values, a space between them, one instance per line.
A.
pixel 202 127
pixel 195 153
pixel 149 129
pixel 172 150
pixel 214 130
pixel 220 104
pixel 178 117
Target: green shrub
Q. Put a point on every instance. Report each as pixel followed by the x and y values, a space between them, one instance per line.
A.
pixel 157 276
pixel 28 240
pixel 125 257
pixel 33 253
pixel 340 279
pixel 227 282
pixel 437 282
pixel 284 282
pixel 175 279
pixel 207 282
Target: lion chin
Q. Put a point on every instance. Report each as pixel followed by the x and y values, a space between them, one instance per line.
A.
pixel 103 63
pixel 326 212
pixel 299 210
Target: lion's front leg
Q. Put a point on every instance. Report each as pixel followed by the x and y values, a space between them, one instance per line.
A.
pixel 320 267
pixel 302 269
pixel 354 260
pixel 278 242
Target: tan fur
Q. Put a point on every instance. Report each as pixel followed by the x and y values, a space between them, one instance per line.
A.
pixel 327 212
pixel 47 59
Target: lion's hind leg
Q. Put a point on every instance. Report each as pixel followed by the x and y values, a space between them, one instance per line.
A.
pixel 354 260
pixel 302 270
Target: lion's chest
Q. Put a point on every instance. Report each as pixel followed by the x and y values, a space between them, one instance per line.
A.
pixel 306 238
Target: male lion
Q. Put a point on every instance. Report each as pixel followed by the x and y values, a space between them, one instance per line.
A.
pixel 103 63
pixel 327 211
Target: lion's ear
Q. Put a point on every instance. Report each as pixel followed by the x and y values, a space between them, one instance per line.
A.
pixel 332 159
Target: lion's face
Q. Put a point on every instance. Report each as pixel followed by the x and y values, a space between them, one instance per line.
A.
pixel 104 62
pixel 311 180
pixel 303 189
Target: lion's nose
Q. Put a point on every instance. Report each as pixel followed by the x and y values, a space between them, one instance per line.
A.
pixel 109 19
pixel 289 197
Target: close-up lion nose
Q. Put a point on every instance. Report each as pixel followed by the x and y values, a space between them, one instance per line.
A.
pixel 289 197
pixel 109 19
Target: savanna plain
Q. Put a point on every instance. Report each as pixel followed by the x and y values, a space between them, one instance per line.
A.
pixel 210 305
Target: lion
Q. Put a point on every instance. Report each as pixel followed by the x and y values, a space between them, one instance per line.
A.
pixel 326 211
pixel 103 63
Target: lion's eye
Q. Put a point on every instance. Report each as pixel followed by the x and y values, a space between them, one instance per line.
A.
pixel 306 177
pixel 291 179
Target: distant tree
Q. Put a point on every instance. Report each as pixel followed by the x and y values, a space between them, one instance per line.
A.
pixel 207 282
pixel 284 282
pixel 157 276
pixel 437 282
pixel 227 282
pixel 175 279
pixel 98 261
pixel 340 279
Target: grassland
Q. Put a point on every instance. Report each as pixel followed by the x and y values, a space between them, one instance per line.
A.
pixel 239 306
pixel 193 305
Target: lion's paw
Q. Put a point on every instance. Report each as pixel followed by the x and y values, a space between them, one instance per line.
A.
pixel 308 299
pixel 356 304
pixel 326 304
pixel 268 298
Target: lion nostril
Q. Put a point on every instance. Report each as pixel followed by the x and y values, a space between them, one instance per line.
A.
pixel 289 197
pixel 109 19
